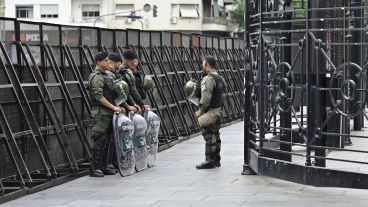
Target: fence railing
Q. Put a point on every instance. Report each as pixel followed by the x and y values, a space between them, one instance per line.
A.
pixel 306 91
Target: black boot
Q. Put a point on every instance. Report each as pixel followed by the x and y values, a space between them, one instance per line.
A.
pixel 108 171
pixel 96 173
pixel 112 167
pixel 206 165
pixel 217 159
pixel 97 157
pixel 110 155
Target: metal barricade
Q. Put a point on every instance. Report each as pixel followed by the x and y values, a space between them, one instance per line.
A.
pixel 45 105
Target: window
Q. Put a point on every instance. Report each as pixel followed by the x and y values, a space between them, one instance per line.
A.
pixel 124 7
pixel 49 11
pixel 206 8
pixel 184 10
pixel 175 12
pixel 24 11
pixel 216 11
pixel 90 10
pixel 189 11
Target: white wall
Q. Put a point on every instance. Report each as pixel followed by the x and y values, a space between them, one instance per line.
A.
pixel 221 2
pixel 162 21
pixel 64 9
pixel 70 12
pixel 106 7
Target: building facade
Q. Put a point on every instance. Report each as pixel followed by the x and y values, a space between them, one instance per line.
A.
pixel 207 16
pixel 2 7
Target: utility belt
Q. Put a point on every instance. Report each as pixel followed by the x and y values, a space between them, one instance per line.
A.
pixel 217 111
pixel 211 117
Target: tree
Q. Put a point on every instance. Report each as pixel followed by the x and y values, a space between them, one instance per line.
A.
pixel 238 14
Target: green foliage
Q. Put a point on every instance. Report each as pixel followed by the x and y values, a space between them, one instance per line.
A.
pixel 238 14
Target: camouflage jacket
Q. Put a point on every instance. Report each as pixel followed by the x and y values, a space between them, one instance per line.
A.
pixel 114 74
pixel 207 86
pixel 96 84
pixel 134 96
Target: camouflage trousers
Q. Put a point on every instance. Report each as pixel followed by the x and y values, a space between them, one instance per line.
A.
pixel 101 133
pixel 210 123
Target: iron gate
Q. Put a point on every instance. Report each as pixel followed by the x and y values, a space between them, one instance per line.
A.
pixel 306 91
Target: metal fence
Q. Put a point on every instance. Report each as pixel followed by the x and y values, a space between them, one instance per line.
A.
pixel 306 91
pixel 45 107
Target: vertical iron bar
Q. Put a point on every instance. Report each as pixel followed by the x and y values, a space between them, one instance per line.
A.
pixel 260 71
pixel 308 88
pixel 247 96
pixel 285 117
pixel 357 52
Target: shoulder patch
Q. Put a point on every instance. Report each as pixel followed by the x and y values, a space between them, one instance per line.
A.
pixel 203 87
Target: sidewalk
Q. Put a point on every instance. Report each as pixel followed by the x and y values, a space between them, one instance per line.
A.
pixel 176 182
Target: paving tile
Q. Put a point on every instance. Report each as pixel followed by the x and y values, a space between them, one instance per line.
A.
pixel 176 182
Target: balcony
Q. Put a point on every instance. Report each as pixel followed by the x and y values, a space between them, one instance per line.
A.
pixel 88 21
pixel 84 19
pixel 217 24
pixel 214 20
pixel 230 2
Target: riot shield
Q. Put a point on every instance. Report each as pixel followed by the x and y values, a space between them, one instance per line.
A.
pixel 153 127
pixel 123 135
pixel 139 142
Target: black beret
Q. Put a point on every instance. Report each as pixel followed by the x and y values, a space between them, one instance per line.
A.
pixel 115 57
pixel 129 54
pixel 210 60
pixel 101 56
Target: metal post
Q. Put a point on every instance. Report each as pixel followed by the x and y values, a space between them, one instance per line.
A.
pixel 319 74
pixel 308 88
pixel 285 117
pixel 260 81
pixel 140 21
pixel 247 96
pixel 357 56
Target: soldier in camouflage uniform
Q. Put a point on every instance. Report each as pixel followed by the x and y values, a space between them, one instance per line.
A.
pixel 209 114
pixel 134 78
pixel 115 63
pixel 103 107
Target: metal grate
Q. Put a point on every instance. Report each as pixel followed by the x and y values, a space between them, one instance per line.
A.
pixel 306 88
